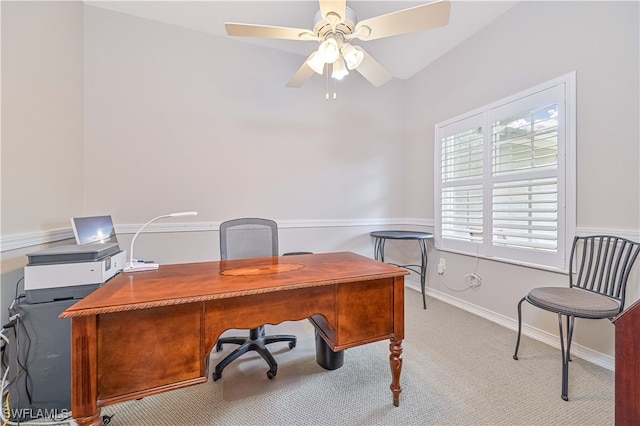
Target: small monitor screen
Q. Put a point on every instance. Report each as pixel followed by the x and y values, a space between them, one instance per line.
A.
pixel 94 229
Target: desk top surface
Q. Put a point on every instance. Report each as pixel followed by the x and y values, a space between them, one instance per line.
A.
pixel 402 235
pixel 195 282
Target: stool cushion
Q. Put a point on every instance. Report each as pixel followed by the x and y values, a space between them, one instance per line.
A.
pixel 574 301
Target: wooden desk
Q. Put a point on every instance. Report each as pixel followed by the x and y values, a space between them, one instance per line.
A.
pixel 627 375
pixel 150 332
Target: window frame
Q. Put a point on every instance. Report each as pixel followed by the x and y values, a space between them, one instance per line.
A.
pixel 563 86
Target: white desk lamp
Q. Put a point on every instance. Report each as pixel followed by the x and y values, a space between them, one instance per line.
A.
pixel 133 266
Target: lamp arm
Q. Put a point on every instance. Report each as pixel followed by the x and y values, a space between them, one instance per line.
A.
pixel 133 240
pixel 150 266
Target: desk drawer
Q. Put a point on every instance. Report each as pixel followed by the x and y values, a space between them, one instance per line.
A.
pixel 149 348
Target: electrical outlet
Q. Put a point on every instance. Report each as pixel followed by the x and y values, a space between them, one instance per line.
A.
pixel 442 266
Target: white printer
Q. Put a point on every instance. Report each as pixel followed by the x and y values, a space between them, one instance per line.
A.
pixel 70 271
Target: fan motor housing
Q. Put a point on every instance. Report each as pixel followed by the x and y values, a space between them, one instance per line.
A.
pixel 322 27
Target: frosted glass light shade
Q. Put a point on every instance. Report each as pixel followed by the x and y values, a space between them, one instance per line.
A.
pixel 339 69
pixel 329 51
pixel 316 63
pixel 353 55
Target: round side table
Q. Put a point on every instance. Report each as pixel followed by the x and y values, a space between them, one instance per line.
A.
pixel 420 237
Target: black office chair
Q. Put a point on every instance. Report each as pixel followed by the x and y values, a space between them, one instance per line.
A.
pixel 598 272
pixel 243 239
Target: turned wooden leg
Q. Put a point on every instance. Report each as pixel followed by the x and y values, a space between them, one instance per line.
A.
pixel 90 421
pixel 395 360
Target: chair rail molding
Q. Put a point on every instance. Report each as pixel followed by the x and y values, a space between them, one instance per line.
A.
pixel 28 239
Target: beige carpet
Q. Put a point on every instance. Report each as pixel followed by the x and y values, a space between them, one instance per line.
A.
pixel 458 370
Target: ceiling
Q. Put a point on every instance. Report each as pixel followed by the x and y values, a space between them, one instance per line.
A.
pixel 403 55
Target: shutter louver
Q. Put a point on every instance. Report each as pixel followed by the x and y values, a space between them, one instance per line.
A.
pixel 462 213
pixel 525 214
pixel 462 196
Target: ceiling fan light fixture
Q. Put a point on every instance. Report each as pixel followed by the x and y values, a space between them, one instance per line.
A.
pixel 329 50
pixel 334 27
pixel 316 63
pixel 353 55
pixel 339 69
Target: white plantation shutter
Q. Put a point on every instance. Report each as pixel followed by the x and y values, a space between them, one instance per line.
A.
pixel 461 172
pixel 502 176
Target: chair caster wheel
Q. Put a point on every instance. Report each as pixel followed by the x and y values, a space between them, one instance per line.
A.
pixel 271 374
pixel 515 357
pixel 292 345
pixel 215 376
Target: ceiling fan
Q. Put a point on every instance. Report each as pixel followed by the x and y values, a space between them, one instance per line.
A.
pixel 335 26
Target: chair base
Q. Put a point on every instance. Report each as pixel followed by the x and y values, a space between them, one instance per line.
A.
pixel 257 342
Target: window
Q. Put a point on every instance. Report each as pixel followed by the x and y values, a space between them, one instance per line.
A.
pixel 505 178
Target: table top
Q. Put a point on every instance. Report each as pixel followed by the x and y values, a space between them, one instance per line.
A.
pixel 195 282
pixel 402 235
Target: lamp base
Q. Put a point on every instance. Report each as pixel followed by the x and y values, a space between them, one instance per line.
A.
pixel 140 266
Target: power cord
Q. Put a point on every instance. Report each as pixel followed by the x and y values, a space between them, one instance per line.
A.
pixel 472 280
pixel 469 285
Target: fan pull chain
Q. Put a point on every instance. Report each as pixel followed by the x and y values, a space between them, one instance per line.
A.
pixel 326 95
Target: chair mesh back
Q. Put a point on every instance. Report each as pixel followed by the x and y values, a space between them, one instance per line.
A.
pixel 247 238
pixel 602 264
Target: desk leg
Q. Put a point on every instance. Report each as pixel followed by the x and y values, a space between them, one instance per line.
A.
pixel 423 271
pixel 84 366
pixel 395 360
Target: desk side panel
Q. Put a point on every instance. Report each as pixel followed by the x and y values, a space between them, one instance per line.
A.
pixel 84 369
pixel 151 350
pixel 627 374
pixel 398 308
pixel 365 312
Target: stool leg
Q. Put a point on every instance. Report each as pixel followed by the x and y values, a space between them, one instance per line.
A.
pixel 376 249
pixel 423 271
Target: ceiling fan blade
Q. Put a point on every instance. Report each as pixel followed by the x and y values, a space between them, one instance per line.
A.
pixel 303 74
pixel 373 71
pixel 334 11
pixel 417 18
pixel 266 31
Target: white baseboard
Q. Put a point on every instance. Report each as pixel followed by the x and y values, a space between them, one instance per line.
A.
pixel 579 351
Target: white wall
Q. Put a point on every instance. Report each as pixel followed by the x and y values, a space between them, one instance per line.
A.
pixel 42 114
pixel 530 44
pixel 179 120
pixel 42 125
